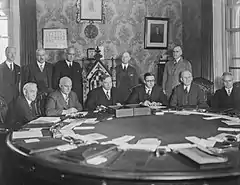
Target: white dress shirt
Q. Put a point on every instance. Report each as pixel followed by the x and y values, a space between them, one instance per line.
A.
pixel 229 91
pixel 188 88
pixel 124 66
pixel 148 91
pixel 41 65
pixel 9 65
pixel 65 97
pixel 107 93
pixel 69 63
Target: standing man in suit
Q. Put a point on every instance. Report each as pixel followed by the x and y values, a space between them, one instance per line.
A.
pixel 40 72
pixel 227 97
pixel 9 80
pixel 148 94
pixel 102 96
pixel 126 77
pixel 70 69
pixel 187 94
pixel 173 69
pixel 25 109
pixel 63 101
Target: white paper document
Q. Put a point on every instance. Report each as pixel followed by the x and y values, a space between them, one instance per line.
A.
pixel 91 121
pixel 31 140
pixel 45 120
pixel 66 147
pixel 220 137
pixel 84 128
pixel 231 122
pixel 120 140
pixel 26 134
pixel 96 160
pixel 126 146
pixel 180 146
pixel 201 141
pixel 73 124
pixel 229 129
pixel 94 136
pixel 212 117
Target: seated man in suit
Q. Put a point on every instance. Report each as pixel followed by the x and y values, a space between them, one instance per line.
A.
pixel 148 94
pixel 228 96
pixel 63 101
pixel 25 109
pixel 102 96
pixel 187 94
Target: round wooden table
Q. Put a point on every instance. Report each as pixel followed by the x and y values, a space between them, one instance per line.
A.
pixel 135 166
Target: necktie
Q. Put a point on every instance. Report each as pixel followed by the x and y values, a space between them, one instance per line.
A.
pixel 124 68
pixel 229 92
pixel 186 90
pixel 149 92
pixel 67 100
pixel 108 95
pixel 41 67
pixel 11 67
pixel 70 65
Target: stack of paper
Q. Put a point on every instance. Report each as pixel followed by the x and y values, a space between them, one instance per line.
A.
pixel 27 134
pixel 119 140
pixel 45 120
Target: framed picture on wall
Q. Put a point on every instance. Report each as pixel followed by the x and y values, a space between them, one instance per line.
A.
pixel 91 10
pixel 90 53
pixel 156 33
pixel 55 38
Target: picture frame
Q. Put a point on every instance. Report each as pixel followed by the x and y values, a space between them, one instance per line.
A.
pixel 91 10
pixel 90 53
pixel 156 33
pixel 54 38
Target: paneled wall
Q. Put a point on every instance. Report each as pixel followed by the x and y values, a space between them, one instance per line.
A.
pixel 123 28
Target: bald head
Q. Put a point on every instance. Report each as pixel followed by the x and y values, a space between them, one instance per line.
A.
pixel 65 85
pixel 126 57
pixel 186 77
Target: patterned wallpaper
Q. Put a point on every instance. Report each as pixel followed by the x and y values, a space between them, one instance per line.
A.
pixel 123 28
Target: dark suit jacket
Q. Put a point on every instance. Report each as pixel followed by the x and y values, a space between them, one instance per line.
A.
pixel 194 98
pixel 9 82
pixel 125 80
pixel 56 103
pixel 32 73
pixel 97 97
pixel 23 113
pixel 61 69
pixel 222 101
pixel 171 74
pixel 139 95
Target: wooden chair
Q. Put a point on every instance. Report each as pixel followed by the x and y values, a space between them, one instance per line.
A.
pixel 207 87
pixel 3 110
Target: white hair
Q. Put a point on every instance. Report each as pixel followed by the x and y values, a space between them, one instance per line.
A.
pixel 29 85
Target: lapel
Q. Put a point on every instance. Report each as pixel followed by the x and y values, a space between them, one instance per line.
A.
pixel 62 102
pixel 102 94
pixel 48 71
pixel 27 108
pixel 36 68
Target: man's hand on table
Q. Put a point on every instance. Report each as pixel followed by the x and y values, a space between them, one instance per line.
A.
pixel 69 111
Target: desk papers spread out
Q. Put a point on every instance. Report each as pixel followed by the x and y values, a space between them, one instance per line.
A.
pixel 91 121
pixel 220 137
pixel 67 147
pixel 45 120
pixel 73 124
pixel 94 137
pixel 84 128
pixel 26 134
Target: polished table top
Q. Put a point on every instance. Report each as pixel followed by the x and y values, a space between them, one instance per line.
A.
pixel 170 128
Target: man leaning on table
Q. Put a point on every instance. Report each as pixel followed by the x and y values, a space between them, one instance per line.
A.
pixel 148 94
pixel 227 97
pixel 187 94
pixel 63 101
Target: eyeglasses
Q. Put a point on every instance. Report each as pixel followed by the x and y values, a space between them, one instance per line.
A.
pixel 150 80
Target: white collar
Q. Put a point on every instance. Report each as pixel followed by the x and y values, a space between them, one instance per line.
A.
pixel 177 60
pixel 65 96
pixel 188 87
pixel 229 89
pixel 105 91
pixel 124 65
pixel 29 102
pixel 147 89
pixel 8 64
pixel 69 63
pixel 41 64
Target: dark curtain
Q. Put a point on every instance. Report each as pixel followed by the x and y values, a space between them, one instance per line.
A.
pixel 28 31
pixel 207 40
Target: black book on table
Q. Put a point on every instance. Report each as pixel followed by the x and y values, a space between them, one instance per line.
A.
pixel 41 146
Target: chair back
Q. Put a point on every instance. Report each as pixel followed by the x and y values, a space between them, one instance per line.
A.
pixel 3 110
pixel 207 87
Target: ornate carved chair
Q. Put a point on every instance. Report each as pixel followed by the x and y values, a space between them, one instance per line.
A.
pixel 91 75
pixel 207 87
pixel 236 84
pixel 40 104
